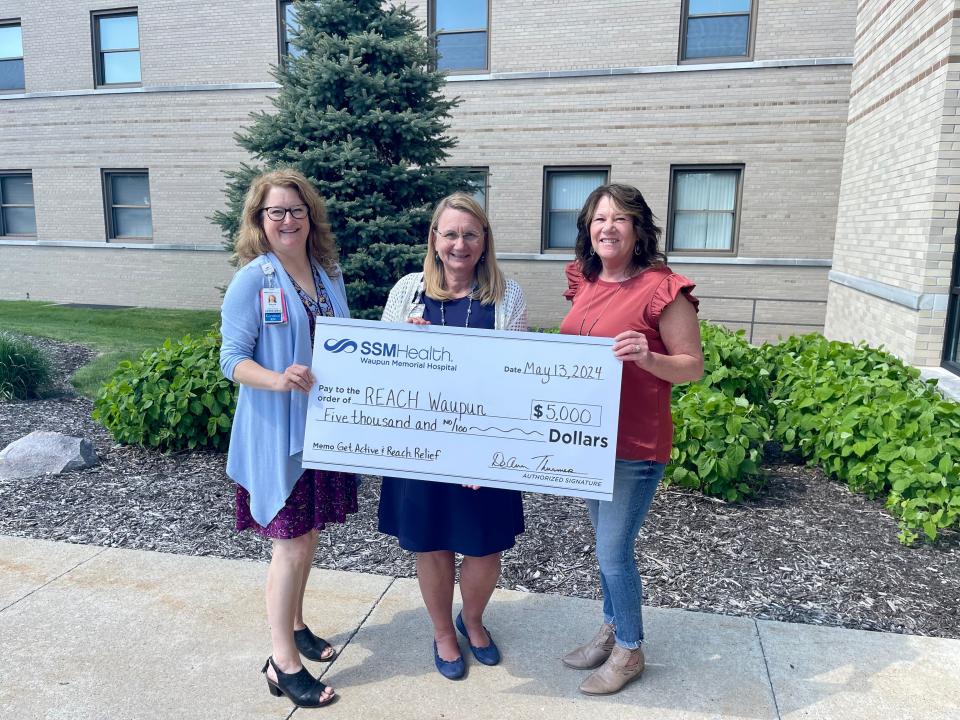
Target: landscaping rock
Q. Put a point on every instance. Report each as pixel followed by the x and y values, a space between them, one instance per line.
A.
pixel 40 453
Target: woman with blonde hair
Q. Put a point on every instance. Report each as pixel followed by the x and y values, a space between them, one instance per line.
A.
pixel 461 285
pixel 288 277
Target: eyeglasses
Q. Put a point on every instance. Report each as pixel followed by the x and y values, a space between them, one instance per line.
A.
pixel 451 236
pixel 277 214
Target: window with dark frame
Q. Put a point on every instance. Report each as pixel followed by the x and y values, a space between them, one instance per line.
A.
pixel 116 42
pixel 716 29
pixel 461 35
pixel 17 213
pixel 704 208
pixel 289 27
pixel 564 192
pixel 11 55
pixel 479 179
pixel 126 196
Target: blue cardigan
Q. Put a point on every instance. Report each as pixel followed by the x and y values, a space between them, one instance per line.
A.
pixel 266 441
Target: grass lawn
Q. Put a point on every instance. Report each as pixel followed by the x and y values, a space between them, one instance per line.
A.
pixel 118 334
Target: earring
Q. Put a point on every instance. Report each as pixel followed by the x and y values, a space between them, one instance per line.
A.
pixel 436 258
pixel 636 249
pixel 483 256
pixel 592 251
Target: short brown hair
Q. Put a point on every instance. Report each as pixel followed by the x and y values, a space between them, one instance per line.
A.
pixel 628 200
pixel 491 285
pixel 252 241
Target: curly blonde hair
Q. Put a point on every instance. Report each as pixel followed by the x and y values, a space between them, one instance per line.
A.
pixel 491 285
pixel 252 241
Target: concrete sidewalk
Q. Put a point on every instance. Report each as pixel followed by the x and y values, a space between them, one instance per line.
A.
pixel 91 632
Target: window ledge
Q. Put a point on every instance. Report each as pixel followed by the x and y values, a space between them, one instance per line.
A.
pixel 654 69
pixel 684 260
pixel 116 90
pixel 110 245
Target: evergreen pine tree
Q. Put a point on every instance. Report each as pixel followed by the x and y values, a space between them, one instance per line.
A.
pixel 359 112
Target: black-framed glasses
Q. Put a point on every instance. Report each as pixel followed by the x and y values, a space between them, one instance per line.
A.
pixel 277 214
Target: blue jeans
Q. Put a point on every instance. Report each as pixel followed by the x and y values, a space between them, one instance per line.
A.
pixel 617 524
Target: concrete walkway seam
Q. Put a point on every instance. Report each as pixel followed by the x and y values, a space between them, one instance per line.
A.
pixel 363 621
pixel 54 579
pixel 766 667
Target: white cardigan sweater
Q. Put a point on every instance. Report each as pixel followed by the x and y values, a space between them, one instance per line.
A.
pixel 406 301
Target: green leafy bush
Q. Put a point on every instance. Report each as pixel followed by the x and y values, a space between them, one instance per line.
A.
pixel 733 366
pixel 25 371
pixel 720 420
pixel 869 420
pixel 172 398
pixel 718 443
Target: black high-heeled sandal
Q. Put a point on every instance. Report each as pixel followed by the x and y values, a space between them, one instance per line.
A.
pixel 302 688
pixel 311 646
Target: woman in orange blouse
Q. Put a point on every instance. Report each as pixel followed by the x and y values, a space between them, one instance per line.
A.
pixel 622 288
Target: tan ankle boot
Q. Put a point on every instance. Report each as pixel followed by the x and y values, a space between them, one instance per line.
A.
pixel 594 653
pixel 620 668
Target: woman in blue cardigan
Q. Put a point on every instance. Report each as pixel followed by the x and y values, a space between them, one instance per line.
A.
pixel 289 276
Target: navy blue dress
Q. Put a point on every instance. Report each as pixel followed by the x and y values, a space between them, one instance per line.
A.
pixel 428 516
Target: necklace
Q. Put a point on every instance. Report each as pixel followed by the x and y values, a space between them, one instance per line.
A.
pixel 601 313
pixel 443 315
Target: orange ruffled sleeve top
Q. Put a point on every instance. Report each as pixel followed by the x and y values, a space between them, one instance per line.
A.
pixel 605 309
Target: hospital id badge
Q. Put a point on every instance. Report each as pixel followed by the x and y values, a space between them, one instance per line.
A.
pixel 274 308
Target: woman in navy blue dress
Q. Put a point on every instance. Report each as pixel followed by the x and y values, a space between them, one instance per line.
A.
pixel 460 286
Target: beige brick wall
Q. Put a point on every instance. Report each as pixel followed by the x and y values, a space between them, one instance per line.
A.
pixel 900 194
pixel 540 35
pixel 559 35
pixel 798 28
pixel 915 336
pixel 183 139
pixel 786 126
pixel 115 276
pixel 181 42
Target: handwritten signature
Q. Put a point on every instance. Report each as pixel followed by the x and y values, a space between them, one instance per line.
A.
pixel 541 464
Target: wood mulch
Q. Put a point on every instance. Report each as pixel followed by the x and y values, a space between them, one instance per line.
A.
pixel 808 550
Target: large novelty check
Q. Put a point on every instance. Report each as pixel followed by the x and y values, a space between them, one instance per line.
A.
pixel 526 411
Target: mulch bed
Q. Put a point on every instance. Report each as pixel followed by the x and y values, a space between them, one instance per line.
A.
pixel 808 550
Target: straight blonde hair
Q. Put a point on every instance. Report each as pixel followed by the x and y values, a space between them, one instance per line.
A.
pixel 491 285
pixel 252 241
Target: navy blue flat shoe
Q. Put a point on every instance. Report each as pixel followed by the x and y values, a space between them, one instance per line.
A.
pixel 450 669
pixel 488 655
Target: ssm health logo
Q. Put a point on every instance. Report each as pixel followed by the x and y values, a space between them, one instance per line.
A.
pixel 338 346
pixel 388 350
pixel 346 345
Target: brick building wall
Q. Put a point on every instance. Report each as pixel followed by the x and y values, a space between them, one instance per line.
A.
pixel 66 133
pixel 545 35
pixel 181 138
pixel 181 42
pixel 900 194
pixel 786 128
pixel 783 120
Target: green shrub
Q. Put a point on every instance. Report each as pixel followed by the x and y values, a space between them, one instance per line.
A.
pixel 868 420
pixel 25 371
pixel 718 443
pixel 172 398
pixel 732 365
pixel 720 421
